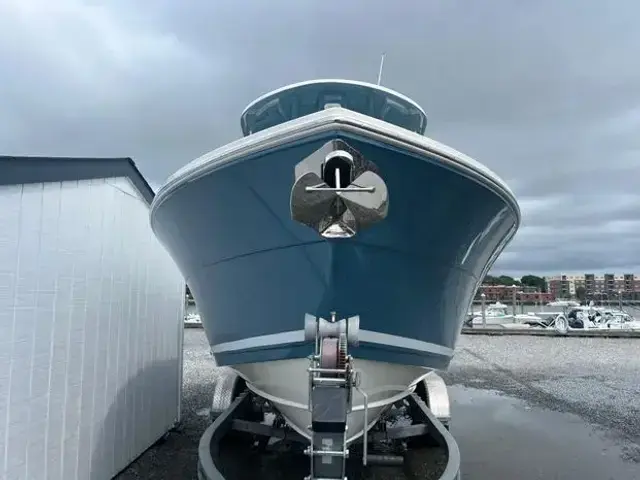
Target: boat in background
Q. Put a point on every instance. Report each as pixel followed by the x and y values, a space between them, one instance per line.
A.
pixel 498 314
pixel 334 224
pixel 563 303
pixel 192 320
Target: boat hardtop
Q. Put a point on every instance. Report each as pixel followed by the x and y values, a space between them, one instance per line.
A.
pixel 304 98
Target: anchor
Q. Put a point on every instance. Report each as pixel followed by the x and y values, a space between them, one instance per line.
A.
pixel 337 192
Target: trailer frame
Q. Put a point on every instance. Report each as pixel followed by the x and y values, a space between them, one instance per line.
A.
pixel 430 416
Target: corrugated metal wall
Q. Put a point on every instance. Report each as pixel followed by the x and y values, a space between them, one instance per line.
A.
pixel 91 312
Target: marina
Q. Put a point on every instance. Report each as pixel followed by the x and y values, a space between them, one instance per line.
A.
pixel 561 317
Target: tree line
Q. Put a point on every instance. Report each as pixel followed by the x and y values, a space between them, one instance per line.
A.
pixel 539 283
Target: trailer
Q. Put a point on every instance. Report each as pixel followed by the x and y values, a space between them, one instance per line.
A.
pixel 242 419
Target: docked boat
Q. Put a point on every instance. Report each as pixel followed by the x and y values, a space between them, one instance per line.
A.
pixel 563 303
pixel 498 314
pixel 334 223
pixel 592 317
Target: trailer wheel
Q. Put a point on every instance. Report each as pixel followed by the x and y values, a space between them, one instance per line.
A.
pixel 433 392
pixel 438 398
pixel 226 388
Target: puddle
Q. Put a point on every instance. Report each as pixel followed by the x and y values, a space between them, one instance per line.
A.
pixel 504 437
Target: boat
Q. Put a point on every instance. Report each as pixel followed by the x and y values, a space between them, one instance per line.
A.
pixel 563 303
pixel 620 320
pixel 591 317
pixel 334 225
pixel 495 314
pixel 496 308
pixel 586 317
pixel 498 314
pixel 502 317
pixel 192 320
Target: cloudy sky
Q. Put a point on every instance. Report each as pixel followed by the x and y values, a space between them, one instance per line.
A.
pixel 546 93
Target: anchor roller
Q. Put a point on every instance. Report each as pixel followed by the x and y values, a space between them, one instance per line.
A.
pixel 321 328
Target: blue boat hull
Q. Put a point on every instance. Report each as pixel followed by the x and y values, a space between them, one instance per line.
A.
pixel 255 273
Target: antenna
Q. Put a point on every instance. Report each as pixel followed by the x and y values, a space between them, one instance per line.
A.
pixel 381 66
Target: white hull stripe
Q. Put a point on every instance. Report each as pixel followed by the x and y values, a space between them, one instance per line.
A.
pixel 297 336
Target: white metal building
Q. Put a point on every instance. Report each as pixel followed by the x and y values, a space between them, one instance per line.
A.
pixel 91 315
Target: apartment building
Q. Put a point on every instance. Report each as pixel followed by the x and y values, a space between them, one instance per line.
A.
pixel 504 293
pixel 567 285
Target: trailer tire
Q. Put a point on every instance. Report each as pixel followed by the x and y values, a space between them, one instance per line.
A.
pixel 433 392
pixel 226 388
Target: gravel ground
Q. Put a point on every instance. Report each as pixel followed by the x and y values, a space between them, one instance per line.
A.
pixel 589 381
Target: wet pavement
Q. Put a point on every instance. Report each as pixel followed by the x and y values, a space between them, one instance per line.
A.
pixel 522 408
pixel 502 437
pixel 546 407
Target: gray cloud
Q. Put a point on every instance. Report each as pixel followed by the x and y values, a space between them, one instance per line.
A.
pixel 547 94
